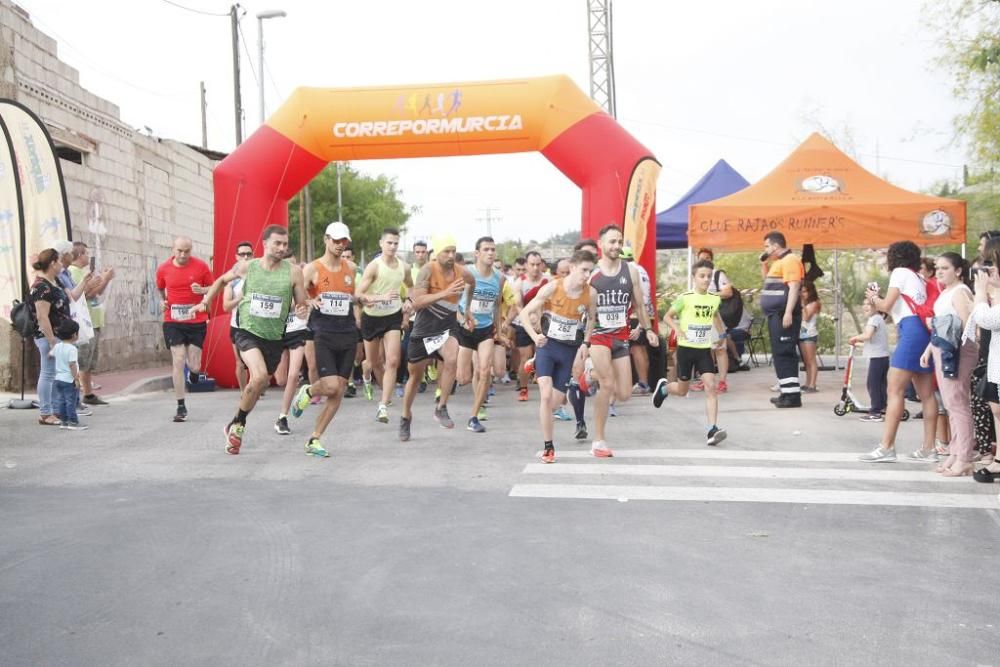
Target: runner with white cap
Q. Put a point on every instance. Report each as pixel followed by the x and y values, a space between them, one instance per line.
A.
pixel 439 286
pixel 330 281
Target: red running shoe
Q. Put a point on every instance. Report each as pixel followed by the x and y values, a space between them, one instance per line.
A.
pixel 522 394
pixel 549 455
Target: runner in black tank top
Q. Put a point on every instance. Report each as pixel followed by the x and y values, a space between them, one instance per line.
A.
pixel 618 289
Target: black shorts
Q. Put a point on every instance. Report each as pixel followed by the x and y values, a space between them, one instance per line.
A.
pixel 232 334
pixel 374 327
pixel 521 337
pixel 270 349
pixel 633 324
pixel 335 353
pixel 692 361
pixel 417 349
pixel 472 339
pixel 175 333
pixel 296 339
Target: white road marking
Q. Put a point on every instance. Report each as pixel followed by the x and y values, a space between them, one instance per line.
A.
pixel 864 474
pixel 735 455
pixel 723 494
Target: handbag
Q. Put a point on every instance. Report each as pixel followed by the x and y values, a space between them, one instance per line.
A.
pixel 980 383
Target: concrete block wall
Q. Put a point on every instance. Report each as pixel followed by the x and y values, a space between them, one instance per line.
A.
pixel 128 200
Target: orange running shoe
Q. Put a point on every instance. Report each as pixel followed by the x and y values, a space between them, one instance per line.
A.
pixel 522 394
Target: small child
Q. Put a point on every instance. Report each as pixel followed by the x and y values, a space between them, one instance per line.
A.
pixel 66 393
pixel 876 338
pixel 694 316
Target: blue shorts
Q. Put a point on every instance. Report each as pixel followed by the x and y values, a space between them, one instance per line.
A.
pixel 555 360
pixel 913 340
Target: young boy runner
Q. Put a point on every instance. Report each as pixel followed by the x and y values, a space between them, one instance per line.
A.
pixel 693 316
pixel 558 334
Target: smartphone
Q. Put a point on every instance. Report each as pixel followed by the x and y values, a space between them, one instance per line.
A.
pixel 93 264
pixel 764 256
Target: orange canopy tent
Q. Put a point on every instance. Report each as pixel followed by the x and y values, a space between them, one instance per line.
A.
pixel 821 196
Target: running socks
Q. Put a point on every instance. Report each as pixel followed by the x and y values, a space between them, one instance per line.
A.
pixel 241 417
pixel 180 403
pixel 576 399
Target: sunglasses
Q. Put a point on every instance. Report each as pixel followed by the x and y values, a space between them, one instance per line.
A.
pixel 244 254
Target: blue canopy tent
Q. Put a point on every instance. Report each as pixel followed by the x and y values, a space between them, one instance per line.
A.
pixel 672 224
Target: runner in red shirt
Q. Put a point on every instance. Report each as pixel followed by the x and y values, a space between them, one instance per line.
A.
pixel 182 280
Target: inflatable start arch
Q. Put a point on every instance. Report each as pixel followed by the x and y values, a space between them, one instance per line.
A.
pixel 317 126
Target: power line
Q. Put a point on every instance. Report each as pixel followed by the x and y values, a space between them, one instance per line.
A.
pixel 274 84
pixel 195 11
pixel 243 39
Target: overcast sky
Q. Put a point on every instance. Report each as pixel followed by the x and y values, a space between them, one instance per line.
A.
pixel 696 81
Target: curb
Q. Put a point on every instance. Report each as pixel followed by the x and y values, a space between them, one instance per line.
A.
pixel 146 386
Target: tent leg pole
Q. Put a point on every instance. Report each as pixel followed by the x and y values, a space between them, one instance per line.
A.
pixel 838 309
pixel 690 264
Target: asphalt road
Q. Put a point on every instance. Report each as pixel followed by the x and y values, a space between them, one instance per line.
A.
pixel 141 542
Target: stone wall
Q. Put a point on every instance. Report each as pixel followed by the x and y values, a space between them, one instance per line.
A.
pixel 128 199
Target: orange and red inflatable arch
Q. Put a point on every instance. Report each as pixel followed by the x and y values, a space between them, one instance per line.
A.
pixel 316 126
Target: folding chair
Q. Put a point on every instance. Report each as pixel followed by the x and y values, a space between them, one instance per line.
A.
pixel 758 341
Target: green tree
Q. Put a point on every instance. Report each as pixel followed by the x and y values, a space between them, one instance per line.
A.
pixel 970 34
pixel 370 204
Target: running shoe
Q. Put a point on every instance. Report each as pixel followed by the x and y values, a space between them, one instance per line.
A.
pixel 522 394
pixel 422 387
pixel 722 387
pixel 382 415
pixel 432 373
pixel 75 426
pixel 872 418
pixel 921 455
pixel 588 383
pixel 506 378
pixel 581 431
pixel 234 438
pixel 315 448
pixel 83 411
pixel 281 426
pixel 660 392
pixel 491 392
pixel 640 389
pixel 481 415
pixel 399 390
pixel 182 414
pixel 715 436
pixel 549 455
pixel 879 455
pixel 437 395
pixel 441 415
pixel 941 448
pixel 301 401
pixel 561 414
pixel 404 428
pixel 600 450
pixel 369 391
pixel 529 367
pixel 612 412
pixel 697 385
pixel 475 426
pixel 94 399
pixel 351 390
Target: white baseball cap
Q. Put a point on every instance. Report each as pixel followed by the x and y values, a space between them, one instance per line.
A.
pixel 63 247
pixel 338 230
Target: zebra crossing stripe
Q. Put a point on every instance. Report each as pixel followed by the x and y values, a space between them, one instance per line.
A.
pixel 751 495
pixel 863 474
pixel 735 455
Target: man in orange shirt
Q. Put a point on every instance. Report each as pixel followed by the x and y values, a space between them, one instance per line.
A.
pixel 780 302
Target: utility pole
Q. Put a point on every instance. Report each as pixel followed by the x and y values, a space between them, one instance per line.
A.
pixel 302 226
pixel 309 223
pixel 237 100
pixel 204 120
pixel 489 218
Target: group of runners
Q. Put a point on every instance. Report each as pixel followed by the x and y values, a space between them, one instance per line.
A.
pixel 571 330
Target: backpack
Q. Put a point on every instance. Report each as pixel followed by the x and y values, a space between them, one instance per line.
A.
pixel 731 309
pixel 925 310
pixel 22 318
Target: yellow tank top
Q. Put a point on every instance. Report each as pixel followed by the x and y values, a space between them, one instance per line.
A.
pixel 387 280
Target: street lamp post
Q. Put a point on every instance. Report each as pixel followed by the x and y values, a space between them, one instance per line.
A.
pixel 268 14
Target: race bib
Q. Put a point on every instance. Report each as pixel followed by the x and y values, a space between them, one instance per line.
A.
pixel 561 328
pixel 434 343
pixel 182 313
pixel 482 306
pixel 265 305
pixel 611 317
pixel 334 303
pixel 699 334
pixel 390 306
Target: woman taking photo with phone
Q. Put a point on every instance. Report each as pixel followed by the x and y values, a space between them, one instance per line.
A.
pixel 904 365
